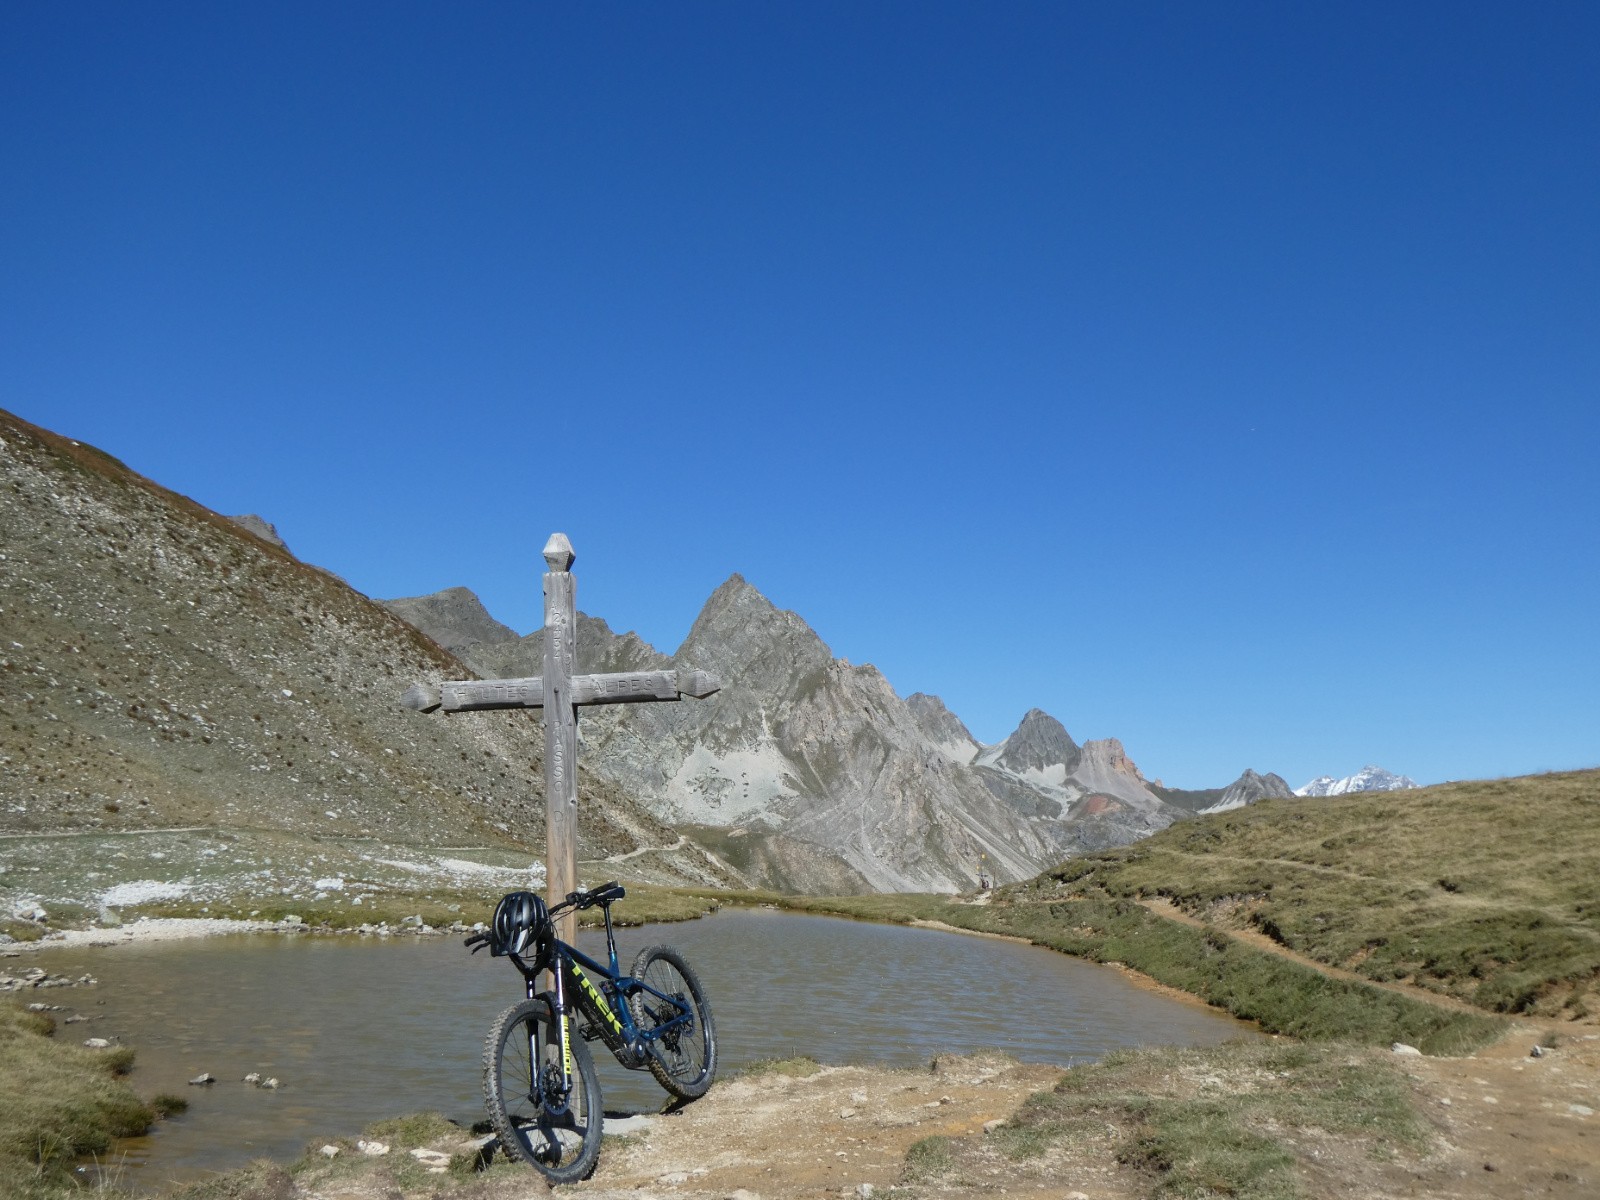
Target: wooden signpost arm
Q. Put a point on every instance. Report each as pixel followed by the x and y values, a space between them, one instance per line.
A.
pixel 622 687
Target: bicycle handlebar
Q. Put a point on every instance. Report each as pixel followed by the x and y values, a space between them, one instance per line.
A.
pixel 606 893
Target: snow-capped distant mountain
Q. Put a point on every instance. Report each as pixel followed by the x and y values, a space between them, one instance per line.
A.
pixel 1368 779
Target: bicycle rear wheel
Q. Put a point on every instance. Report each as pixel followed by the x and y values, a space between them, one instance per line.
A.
pixel 556 1133
pixel 683 1059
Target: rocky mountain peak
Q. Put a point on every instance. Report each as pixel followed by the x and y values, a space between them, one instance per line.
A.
pixel 1039 744
pixel 942 727
pixel 741 634
pixel 1249 788
pixel 1109 754
pixel 455 618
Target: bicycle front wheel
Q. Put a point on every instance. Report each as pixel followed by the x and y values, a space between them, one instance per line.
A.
pixel 684 1058
pixel 557 1132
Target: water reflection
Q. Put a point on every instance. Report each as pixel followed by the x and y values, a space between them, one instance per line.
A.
pixel 359 1030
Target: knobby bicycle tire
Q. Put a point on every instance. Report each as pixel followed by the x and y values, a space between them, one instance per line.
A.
pixel 684 1060
pixel 561 1142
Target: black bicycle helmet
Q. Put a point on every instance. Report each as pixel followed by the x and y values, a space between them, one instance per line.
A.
pixel 521 923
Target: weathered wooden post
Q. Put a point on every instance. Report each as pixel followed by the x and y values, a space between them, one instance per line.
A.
pixel 559 692
pixel 560 727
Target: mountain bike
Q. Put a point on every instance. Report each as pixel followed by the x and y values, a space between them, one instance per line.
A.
pixel 539 1084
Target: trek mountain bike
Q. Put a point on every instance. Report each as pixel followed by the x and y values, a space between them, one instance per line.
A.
pixel 539 1084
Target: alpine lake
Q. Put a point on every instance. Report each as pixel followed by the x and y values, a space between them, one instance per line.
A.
pixel 358 1029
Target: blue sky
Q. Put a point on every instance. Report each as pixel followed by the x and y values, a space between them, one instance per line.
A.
pixel 1219 377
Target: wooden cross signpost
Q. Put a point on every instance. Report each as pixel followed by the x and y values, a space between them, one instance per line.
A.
pixel 559 692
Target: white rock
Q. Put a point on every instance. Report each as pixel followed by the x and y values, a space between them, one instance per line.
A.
pixel 270 1083
pixel 1402 1048
pixel 253 1077
pixel 329 1151
pixel 846 1113
pixel 1580 1110
pixel 373 1149
pixel 96 1043
pixel 431 1158
pixel 627 1126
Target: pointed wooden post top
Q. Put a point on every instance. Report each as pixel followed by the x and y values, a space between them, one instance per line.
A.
pixel 558 552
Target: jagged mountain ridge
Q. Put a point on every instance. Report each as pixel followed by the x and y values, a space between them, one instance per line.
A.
pixel 164 667
pixel 815 748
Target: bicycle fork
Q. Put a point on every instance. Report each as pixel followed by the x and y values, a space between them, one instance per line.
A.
pixel 551 1094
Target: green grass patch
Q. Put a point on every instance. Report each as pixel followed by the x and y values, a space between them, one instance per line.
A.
pixel 799 1066
pixel 929 1158
pixel 1210 1122
pixel 414 1130
pixel 58 1102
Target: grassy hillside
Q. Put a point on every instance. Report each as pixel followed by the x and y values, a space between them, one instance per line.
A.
pixel 1488 892
pixel 164 670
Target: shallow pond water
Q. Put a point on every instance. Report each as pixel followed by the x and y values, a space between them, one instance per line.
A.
pixel 358 1029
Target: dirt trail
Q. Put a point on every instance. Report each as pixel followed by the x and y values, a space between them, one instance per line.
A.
pixel 782 1138
pixel 1558 915
pixel 1254 937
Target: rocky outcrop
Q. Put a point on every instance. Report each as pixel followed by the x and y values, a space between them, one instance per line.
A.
pixel 263 529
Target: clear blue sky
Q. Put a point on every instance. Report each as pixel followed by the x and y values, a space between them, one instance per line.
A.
pixel 1219 377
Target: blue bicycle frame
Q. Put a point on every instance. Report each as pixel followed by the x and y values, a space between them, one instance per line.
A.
pixel 606 1008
